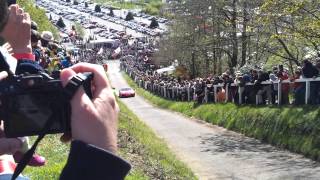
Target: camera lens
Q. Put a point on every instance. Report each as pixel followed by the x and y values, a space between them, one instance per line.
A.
pixel 30 82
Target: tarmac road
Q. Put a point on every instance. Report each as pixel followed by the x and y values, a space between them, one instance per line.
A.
pixel 213 152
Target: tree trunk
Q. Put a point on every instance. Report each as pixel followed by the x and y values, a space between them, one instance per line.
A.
pixel 244 37
pixel 214 62
pixel 234 40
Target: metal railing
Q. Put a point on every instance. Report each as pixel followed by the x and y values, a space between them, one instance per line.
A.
pixel 173 93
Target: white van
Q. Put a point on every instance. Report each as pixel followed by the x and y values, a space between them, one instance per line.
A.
pixel 106 43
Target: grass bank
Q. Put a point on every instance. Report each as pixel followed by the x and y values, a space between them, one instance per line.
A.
pixel 39 16
pixel 149 155
pixel 152 7
pixel 294 128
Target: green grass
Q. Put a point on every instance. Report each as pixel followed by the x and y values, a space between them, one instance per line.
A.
pixel 150 7
pixel 39 16
pixel 56 154
pixel 117 4
pixel 149 155
pixel 294 128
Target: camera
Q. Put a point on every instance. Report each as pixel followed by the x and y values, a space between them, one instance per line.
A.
pixel 28 102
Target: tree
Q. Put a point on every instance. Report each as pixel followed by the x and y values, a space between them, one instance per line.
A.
pixel 97 8
pixel 80 30
pixel 50 17
pixel 60 23
pixel 154 23
pixel 129 16
pixel 75 2
pixel 86 4
pixel 235 34
pixel 111 12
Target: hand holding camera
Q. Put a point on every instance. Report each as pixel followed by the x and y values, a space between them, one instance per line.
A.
pixel 95 120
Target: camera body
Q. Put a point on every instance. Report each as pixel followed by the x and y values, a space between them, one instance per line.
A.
pixel 29 101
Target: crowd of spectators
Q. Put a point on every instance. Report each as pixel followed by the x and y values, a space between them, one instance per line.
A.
pixel 255 85
pixel 49 54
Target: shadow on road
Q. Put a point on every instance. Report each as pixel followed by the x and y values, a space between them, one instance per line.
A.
pixel 266 156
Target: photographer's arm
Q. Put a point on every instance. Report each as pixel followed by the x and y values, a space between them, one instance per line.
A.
pixel 17 33
pixel 94 130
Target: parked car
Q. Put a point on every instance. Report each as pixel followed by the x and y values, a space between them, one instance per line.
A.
pixel 126 92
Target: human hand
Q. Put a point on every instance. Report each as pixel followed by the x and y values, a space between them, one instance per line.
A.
pixel 93 121
pixel 8 47
pixel 17 31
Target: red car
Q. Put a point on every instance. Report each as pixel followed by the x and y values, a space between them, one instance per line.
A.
pixel 126 92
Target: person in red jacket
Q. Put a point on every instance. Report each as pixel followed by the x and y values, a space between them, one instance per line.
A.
pixel 285 88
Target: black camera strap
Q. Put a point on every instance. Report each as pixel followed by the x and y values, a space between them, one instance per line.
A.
pixel 81 79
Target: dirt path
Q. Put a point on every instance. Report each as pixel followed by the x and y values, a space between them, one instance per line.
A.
pixel 216 153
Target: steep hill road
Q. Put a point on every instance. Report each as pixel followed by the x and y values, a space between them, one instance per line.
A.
pixel 213 152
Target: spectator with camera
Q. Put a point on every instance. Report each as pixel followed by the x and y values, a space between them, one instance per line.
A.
pixel 94 126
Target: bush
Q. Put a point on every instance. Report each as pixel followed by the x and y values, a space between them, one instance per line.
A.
pixel 153 8
pixel 111 13
pixel 60 23
pixel 97 8
pixel 154 23
pixel 86 4
pixel 75 3
pixel 129 16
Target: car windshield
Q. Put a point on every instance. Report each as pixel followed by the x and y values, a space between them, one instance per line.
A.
pixel 125 89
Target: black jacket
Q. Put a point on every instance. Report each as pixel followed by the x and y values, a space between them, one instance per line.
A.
pixel 89 162
pixel 309 71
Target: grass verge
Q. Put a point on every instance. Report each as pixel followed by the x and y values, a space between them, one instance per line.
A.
pixel 294 128
pixel 149 155
pixel 151 7
pixel 39 16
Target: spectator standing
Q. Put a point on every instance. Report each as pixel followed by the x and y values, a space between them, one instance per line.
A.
pixel 285 87
pixel 298 88
pixel 310 71
pixel 273 76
